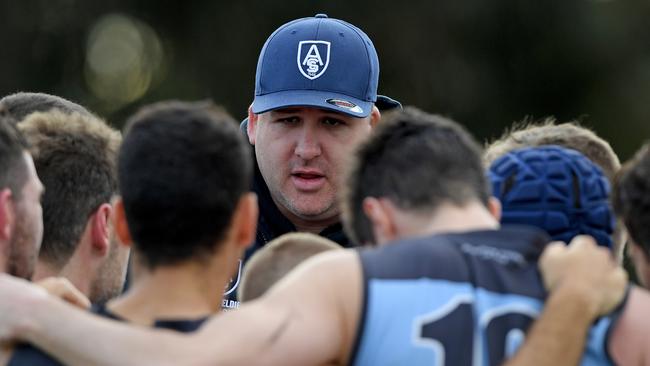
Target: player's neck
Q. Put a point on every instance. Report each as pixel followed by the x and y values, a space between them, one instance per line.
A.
pixel 186 291
pixel 449 218
pixel 81 276
pixel 44 270
pixel 3 264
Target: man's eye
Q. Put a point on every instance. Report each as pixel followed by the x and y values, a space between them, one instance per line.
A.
pixel 333 122
pixel 289 120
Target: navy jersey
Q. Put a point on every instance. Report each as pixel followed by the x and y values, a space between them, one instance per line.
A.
pixel 28 355
pixel 456 299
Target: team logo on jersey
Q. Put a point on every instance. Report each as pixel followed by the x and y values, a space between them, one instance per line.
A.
pixel 313 58
pixel 234 281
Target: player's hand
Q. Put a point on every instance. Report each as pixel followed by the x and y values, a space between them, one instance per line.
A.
pixel 586 270
pixel 62 288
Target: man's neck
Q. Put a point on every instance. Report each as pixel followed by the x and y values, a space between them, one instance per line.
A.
pixel 309 225
pixel 314 228
pixel 448 218
pixel 44 270
pixel 186 291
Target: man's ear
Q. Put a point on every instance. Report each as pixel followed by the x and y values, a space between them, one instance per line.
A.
pixel 7 215
pixel 375 116
pixel 244 222
pixel 494 206
pixel 380 214
pixel 121 226
pixel 100 229
pixel 252 125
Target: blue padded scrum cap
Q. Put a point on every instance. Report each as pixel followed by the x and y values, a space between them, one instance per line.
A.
pixel 556 189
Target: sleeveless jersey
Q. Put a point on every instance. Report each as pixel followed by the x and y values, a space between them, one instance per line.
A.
pixel 457 299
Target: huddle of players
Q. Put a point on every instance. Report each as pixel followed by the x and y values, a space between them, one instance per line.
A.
pixel 418 175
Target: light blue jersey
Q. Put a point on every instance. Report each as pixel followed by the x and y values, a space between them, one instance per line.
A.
pixel 457 299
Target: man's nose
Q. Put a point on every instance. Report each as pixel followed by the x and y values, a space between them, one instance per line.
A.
pixel 308 146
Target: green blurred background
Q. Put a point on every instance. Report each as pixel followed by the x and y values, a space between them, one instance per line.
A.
pixel 484 63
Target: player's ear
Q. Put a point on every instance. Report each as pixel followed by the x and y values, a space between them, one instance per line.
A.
pixel 494 206
pixel 252 125
pixel 244 221
pixel 381 216
pixel 6 214
pixel 121 226
pixel 100 229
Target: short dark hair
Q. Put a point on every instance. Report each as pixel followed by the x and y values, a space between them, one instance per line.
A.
pixel 183 168
pixel 13 171
pixel 418 161
pixel 75 157
pixel 22 104
pixel 631 197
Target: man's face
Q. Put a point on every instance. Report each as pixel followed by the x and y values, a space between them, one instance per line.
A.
pixel 28 229
pixel 301 153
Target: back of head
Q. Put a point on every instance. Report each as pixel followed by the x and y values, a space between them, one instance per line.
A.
pixel 75 157
pixel 631 197
pixel 183 168
pixel 570 135
pixel 416 160
pixel 269 264
pixel 13 171
pixel 556 189
pixel 20 105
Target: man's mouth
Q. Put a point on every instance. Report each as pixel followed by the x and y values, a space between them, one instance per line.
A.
pixel 308 175
pixel 307 180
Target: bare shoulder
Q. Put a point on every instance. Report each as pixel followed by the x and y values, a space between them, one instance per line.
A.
pixel 330 285
pixel 308 318
pixel 630 339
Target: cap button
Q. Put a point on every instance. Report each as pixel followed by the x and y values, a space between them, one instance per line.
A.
pixel 320 16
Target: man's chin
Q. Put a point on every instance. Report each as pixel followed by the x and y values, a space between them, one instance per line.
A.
pixel 309 212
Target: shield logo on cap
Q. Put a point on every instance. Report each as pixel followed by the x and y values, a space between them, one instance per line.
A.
pixel 313 58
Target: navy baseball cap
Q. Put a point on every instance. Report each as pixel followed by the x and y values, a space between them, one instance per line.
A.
pixel 556 189
pixel 319 62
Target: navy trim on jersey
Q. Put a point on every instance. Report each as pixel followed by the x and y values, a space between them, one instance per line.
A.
pixel 423 298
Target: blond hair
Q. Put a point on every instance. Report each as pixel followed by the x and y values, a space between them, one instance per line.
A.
pixel 548 132
pixel 278 258
pixel 569 135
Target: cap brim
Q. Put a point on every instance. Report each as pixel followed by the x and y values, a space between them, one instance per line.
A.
pixel 336 102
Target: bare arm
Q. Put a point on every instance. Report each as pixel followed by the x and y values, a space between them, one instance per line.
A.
pixel 297 323
pixel 629 343
pixel 585 283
